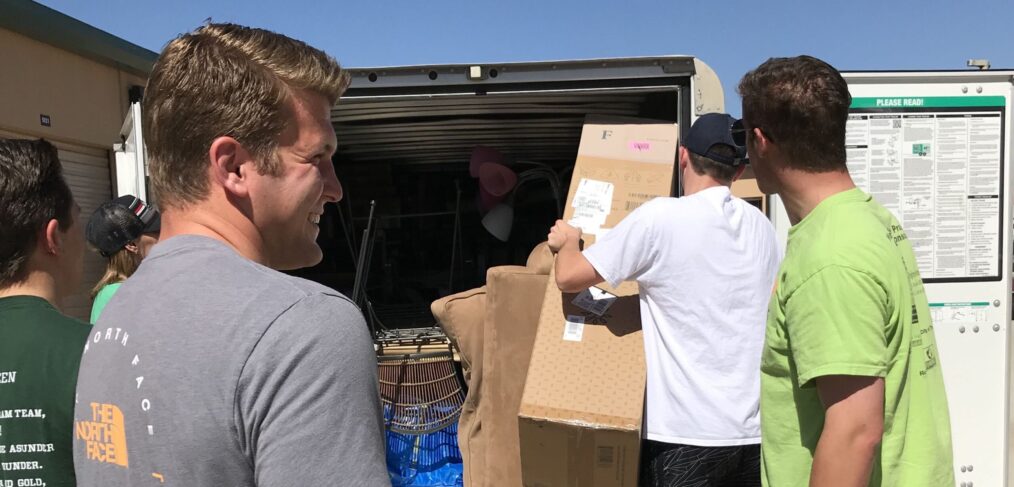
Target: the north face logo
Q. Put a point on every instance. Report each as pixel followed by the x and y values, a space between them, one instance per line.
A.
pixel 105 436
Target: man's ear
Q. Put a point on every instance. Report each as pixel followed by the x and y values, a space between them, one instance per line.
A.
pixel 684 158
pixel 51 238
pixel 228 158
pixel 760 141
pixel 131 247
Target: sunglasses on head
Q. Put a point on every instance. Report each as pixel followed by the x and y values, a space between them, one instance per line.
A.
pixel 739 131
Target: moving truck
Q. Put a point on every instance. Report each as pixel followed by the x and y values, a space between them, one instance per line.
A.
pixel 934 147
pixel 410 139
pixel 406 136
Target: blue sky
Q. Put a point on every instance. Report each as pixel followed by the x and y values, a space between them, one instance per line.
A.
pixel 731 36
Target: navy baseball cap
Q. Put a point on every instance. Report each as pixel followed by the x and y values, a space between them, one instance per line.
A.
pixel 118 222
pixel 713 129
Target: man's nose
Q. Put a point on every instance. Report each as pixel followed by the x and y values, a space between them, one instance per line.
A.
pixel 332 187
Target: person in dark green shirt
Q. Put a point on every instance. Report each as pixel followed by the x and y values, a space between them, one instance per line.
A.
pixel 852 391
pixel 41 256
pixel 123 230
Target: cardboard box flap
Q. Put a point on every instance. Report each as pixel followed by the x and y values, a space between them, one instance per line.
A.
pixel 580 419
pixel 628 139
pixel 565 455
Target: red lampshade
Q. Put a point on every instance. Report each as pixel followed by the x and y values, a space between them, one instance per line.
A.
pixel 481 155
pixel 495 182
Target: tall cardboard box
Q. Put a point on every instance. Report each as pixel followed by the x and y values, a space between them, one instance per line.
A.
pixel 580 417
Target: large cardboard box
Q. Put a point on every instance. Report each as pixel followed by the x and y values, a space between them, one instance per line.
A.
pixel 580 417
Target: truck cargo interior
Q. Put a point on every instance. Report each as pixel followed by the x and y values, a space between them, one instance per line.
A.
pixel 406 138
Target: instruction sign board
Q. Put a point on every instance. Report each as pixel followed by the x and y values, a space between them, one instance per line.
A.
pixel 936 162
pixel 934 149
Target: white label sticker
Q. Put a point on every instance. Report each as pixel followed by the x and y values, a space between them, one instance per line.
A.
pixel 594 300
pixel 593 201
pixel 573 329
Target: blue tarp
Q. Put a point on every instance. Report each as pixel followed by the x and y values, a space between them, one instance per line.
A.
pixel 424 460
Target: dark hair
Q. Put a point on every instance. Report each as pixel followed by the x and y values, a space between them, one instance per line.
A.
pixel 720 172
pixel 32 192
pixel 802 105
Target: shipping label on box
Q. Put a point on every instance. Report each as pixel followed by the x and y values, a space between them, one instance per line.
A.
pixel 581 412
pixel 620 166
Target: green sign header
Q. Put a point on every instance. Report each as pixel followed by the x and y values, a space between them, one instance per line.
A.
pixel 975 304
pixel 929 102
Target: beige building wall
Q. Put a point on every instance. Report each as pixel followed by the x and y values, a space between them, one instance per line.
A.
pixel 746 188
pixel 86 102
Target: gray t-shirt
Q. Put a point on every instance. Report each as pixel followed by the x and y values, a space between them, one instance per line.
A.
pixel 208 369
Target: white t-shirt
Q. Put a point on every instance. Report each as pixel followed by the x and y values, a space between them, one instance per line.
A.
pixel 705 265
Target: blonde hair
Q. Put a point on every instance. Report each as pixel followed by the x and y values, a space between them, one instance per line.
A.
pixel 119 267
pixel 225 80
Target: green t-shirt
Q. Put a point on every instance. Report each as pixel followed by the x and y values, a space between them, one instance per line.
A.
pixel 40 350
pixel 102 299
pixel 849 300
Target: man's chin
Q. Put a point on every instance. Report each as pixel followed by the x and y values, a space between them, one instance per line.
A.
pixel 766 188
pixel 301 259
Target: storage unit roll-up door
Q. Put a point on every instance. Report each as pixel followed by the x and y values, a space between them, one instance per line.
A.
pixel 87 173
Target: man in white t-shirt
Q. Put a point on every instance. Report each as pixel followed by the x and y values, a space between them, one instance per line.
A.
pixel 705 264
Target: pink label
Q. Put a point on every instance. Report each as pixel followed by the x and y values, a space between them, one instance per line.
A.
pixel 640 146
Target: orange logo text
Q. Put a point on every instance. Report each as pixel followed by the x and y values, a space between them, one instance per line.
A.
pixel 105 436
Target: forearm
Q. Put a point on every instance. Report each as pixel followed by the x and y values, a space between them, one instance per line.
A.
pixel 853 427
pixel 568 261
pixel 574 273
pixel 844 456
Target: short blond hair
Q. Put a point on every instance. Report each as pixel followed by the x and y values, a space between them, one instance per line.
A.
pixel 225 80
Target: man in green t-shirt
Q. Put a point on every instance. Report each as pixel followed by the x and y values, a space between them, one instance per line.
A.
pixel 851 385
pixel 41 254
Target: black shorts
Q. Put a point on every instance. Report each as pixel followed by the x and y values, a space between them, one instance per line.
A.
pixel 672 465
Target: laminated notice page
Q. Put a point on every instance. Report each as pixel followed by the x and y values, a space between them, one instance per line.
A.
pixel 594 300
pixel 574 329
pixel 592 203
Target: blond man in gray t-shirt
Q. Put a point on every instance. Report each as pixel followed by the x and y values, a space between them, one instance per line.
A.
pixel 209 367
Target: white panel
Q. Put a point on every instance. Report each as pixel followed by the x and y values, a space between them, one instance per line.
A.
pixel 131 157
pixel 971 319
pixel 780 219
